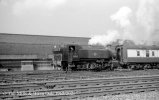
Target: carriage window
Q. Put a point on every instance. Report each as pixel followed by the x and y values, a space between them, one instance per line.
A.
pixel 147 53
pixel 138 53
pixel 153 53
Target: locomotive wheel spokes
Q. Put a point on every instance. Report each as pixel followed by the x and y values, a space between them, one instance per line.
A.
pixel 92 65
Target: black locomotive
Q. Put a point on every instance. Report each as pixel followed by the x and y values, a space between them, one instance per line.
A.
pixel 111 57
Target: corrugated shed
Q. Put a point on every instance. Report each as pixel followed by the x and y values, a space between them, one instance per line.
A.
pixel 42 50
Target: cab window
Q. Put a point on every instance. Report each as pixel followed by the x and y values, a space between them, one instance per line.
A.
pixel 71 48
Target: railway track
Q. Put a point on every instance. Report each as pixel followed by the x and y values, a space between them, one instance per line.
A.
pixel 18 77
pixel 79 88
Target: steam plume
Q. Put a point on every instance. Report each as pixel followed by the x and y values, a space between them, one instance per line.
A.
pixel 122 17
pixel 138 26
pixel 104 39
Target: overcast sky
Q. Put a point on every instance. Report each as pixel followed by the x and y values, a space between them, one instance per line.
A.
pixel 81 18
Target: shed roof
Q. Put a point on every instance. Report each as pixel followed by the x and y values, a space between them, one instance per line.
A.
pixel 41 39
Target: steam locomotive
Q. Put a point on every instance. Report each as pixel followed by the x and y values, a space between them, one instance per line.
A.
pixel 124 56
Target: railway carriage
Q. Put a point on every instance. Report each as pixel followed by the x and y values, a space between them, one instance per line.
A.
pixel 138 56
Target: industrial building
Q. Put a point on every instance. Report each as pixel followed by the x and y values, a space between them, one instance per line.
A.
pixel 31 52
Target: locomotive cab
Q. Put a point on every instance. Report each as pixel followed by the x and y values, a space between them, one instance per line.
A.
pixel 71 53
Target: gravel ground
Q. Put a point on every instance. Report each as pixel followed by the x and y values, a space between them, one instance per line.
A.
pixel 140 96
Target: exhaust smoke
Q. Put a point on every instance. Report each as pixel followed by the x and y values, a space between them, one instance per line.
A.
pixel 138 26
